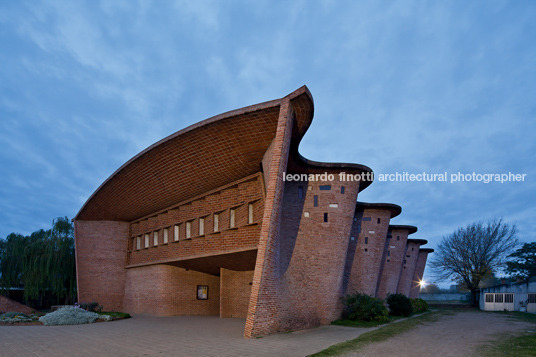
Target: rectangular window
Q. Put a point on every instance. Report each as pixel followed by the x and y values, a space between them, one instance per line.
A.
pixel 397 237
pixel 365 219
pixel 489 297
pixel 201 226
pixel 379 220
pixel 250 213
pixel 325 217
pixel 342 189
pixel 232 214
pixel 176 233
pixel 146 240
pixel 188 229
pixel 216 222
pixel 155 238
pixel 412 249
pixel 509 298
pixel 315 201
pixel 531 298
pixel 358 228
pixel 333 205
pixel 388 253
pixel 366 240
pixel 325 187
pixel 499 297
pixel 300 192
pixel 138 242
pixel 166 233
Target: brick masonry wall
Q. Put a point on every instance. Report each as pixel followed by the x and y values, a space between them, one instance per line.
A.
pixel 265 305
pixel 408 268
pixel 313 252
pixel 417 275
pixel 235 291
pixel 365 252
pixel 8 305
pixel 390 273
pixel 168 290
pixel 237 196
pixel 100 262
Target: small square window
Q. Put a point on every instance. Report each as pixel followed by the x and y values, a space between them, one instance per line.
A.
pixel 306 214
pixel 366 250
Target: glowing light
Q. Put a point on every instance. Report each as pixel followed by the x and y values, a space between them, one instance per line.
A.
pixel 422 284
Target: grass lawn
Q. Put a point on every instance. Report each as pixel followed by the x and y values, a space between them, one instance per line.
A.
pixel 365 324
pixel 115 315
pixel 516 345
pixel 381 334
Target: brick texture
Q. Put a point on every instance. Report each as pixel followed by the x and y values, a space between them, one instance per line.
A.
pixel 408 265
pixel 365 251
pixel 167 290
pixel 393 256
pixel 235 291
pixel 100 262
pixel 418 273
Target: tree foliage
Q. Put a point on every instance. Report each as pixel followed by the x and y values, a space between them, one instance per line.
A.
pixel 522 264
pixel 43 262
pixel 473 252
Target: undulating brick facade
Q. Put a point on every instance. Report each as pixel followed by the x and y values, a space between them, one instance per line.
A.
pixel 226 218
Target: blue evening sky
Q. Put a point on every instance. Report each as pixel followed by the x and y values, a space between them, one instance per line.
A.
pixel 400 86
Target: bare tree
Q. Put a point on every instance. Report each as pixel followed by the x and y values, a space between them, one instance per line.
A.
pixel 471 253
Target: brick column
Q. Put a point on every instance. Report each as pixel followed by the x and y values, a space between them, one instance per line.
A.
pixel 264 304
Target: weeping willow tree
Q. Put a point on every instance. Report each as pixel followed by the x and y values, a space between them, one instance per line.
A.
pixel 43 263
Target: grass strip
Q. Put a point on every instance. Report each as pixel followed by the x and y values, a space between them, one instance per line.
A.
pixel 381 334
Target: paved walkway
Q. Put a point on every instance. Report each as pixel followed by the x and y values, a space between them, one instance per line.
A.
pixel 165 336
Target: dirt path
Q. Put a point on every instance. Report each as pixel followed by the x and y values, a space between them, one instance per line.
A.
pixel 461 334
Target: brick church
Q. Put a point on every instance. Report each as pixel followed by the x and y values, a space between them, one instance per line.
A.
pixel 203 223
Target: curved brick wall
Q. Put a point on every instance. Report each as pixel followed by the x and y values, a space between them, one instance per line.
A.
pixel 208 206
pixel 367 248
pixel 393 256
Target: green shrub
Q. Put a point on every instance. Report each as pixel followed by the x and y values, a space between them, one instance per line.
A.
pixel 365 308
pixel 399 305
pixel 419 305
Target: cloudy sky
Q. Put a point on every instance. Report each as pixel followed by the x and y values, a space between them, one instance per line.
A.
pixel 400 86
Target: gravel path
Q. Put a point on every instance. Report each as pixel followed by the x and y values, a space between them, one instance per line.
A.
pixel 461 334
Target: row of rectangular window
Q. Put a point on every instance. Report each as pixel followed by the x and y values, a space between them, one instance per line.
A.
pixel 500 297
pixel 188 232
